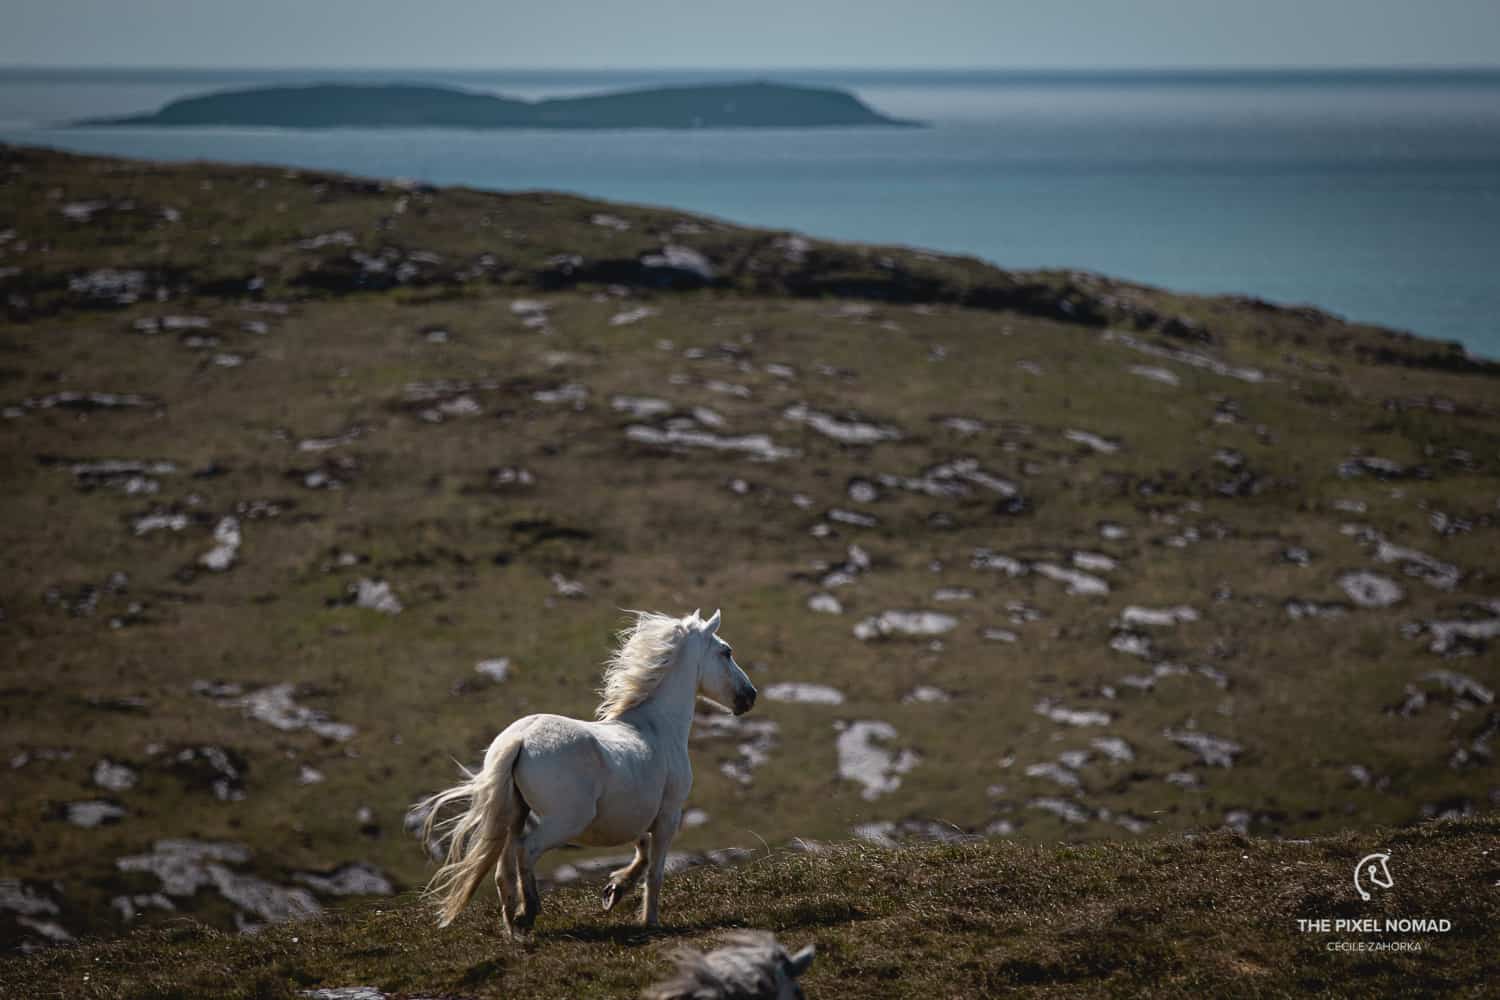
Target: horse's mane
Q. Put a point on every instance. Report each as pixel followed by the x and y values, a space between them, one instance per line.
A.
pixel 640 661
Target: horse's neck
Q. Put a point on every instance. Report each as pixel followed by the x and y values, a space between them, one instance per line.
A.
pixel 669 709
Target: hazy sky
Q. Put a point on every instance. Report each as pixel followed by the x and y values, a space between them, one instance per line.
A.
pixel 750 33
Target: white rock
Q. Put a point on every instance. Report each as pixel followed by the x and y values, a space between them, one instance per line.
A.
pixel 811 694
pixel 1213 751
pixel 1064 809
pixel 1162 375
pixel 1113 747
pixel 276 707
pixel 1091 440
pixel 846 431
pixel 226 548
pixel 1077 582
pixel 1053 772
pixel 376 595
pixel 910 624
pixel 640 407
pixel 1371 590
pixel 496 670
pixel 115 777
pixel 1135 616
pixel 1072 716
pixel 757 446
pixel 825 604
pixel 630 316
pixel 862 759
pixel 92 813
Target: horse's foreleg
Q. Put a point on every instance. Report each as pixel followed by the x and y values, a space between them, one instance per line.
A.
pixel 622 880
pixel 662 832
pixel 552 830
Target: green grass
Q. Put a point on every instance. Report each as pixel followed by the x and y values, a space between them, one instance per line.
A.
pixel 1308 700
pixel 1212 916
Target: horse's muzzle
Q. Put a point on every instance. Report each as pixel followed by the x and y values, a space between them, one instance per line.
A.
pixel 744 701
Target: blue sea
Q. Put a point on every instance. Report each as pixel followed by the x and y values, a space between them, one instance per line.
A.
pixel 1373 194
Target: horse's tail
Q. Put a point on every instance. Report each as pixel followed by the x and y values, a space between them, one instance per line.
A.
pixel 478 836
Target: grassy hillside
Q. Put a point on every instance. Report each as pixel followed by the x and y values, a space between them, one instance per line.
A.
pixel 291 461
pixel 1216 916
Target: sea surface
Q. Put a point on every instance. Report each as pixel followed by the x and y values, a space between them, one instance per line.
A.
pixel 1373 194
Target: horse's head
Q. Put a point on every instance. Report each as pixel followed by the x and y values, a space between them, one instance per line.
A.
pixel 720 679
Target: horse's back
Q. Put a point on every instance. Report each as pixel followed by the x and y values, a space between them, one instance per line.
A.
pixel 558 757
pixel 607 769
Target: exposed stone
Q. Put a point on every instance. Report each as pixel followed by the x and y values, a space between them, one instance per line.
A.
pixel 1072 716
pixel 375 595
pixel 1370 590
pixel 1135 616
pixel 1213 751
pixel 1297 609
pixel 1077 582
pixel 1460 686
pixel 218 770
pixel 1190 358
pixel 354 879
pixel 905 624
pixel 797 691
pixel 92 813
pixel 128 476
pixel 227 540
pixel 1064 809
pixel 825 604
pixel 952 479
pixel 1053 772
pixel 564 587
pixel 1163 375
pixel 496 670
pixel 640 407
pixel 1093 441
pixel 1453 637
pixel 1113 747
pixel 276 707
pixel 755 739
pixel 846 430
pixel 862 759
pixel 757 446
pixel 113 776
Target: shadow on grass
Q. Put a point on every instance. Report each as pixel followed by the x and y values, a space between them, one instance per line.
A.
pixel 801 915
pixel 630 934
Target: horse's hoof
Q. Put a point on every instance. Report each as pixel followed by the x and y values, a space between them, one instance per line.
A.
pixel 609 896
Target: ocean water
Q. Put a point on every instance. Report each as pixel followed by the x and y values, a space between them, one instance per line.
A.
pixel 1375 195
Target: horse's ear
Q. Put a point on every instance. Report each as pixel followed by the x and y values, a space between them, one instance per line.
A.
pixel 800 962
pixel 712 625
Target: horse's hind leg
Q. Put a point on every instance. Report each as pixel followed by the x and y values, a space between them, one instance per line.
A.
pixel 622 880
pixel 508 871
pixel 552 830
pixel 508 882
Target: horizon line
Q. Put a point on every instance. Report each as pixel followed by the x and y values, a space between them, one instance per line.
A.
pixel 1356 69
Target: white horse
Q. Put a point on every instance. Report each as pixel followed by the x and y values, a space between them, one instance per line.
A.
pixel 621 779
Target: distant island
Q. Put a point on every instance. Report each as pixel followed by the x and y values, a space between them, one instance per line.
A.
pixel 735 105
